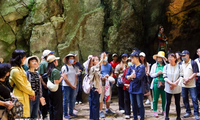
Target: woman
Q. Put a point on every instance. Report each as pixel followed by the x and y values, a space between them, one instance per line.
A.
pixel 33 77
pixel 136 74
pixel 69 85
pixel 126 82
pixel 147 86
pixel 55 98
pixel 178 57
pixel 157 74
pixel 4 91
pixel 171 74
pixel 18 80
pixel 92 67
pixel 119 70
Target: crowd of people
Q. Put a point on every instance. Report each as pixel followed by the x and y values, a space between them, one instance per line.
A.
pixel 42 88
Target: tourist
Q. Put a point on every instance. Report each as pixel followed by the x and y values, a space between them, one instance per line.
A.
pixel 171 74
pixel 198 74
pixel 55 97
pixel 106 71
pixel 69 85
pixel 42 70
pixel 18 80
pixel 4 91
pixel 147 82
pixel 79 90
pixel 178 57
pixel 190 70
pixel 119 70
pixel 157 75
pixel 33 77
pixel 136 74
pixel 126 82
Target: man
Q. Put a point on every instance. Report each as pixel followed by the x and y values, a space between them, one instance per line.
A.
pixel 114 63
pixel 198 74
pixel 189 72
pixel 106 71
pixel 42 70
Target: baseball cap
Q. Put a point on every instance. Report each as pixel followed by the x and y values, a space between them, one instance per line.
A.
pixel 185 52
pixel 142 54
pixel 124 55
pixel 51 58
pixel 115 54
pixel 135 54
pixel 47 52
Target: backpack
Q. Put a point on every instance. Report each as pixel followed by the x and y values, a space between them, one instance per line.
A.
pixel 86 84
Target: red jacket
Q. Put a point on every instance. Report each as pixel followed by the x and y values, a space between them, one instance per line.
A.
pixel 125 81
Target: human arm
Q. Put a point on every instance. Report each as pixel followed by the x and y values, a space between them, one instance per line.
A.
pixel 153 74
pixel 7 104
pixel 195 71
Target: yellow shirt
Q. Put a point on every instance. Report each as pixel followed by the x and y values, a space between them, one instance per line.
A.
pixel 22 88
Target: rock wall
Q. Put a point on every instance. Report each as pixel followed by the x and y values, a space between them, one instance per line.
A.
pixel 91 26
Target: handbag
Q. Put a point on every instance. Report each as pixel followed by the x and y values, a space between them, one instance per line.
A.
pixel 52 87
pixel 120 82
pixel 161 84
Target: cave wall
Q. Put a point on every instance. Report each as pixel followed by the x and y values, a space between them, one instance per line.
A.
pixel 91 26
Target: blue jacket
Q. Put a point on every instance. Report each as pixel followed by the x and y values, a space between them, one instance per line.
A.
pixel 81 68
pixel 137 84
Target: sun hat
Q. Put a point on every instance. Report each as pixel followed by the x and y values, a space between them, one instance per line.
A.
pixel 1 60
pixel 34 56
pixel 142 54
pixel 160 54
pixel 47 52
pixel 68 55
pixel 51 58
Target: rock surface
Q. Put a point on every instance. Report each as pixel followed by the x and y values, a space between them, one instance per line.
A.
pixel 91 26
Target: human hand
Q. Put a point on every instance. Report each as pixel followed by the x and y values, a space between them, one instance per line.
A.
pixel 133 75
pixel 9 105
pixel 56 81
pixel 44 85
pixel 32 98
pixel 186 80
pixel 74 87
pixel 159 72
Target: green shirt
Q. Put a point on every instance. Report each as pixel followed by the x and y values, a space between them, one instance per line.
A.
pixel 43 67
pixel 55 75
pixel 159 68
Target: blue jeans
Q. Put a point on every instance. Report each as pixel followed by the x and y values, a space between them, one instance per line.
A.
pixel 34 106
pixel 193 94
pixel 94 104
pixel 138 104
pixel 68 95
pixel 131 99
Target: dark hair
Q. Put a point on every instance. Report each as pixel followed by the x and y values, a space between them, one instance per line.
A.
pixel 173 55
pixel 145 61
pixel 33 58
pixel 50 68
pixel 4 69
pixel 17 55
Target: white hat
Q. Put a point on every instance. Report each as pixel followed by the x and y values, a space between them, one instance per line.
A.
pixel 27 60
pixel 142 54
pixel 51 58
pixel 115 54
pixel 47 52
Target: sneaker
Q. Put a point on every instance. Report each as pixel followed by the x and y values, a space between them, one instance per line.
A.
pixel 127 116
pixel 122 111
pixel 196 117
pixel 67 117
pixel 155 114
pixel 187 115
pixel 80 102
pixel 73 115
pixel 76 103
pixel 109 112
pixel 101 114
pixel 75 111
pixel 147 102
pixel 163 113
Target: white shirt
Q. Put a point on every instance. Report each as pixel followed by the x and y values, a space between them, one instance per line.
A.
pixel 172 73
pixel 198 63
pixel 71 73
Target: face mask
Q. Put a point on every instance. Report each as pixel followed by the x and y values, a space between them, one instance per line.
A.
pixel 129 64
pixel 184 58
pixel 159 62
pixel 71 61
pixel 105 59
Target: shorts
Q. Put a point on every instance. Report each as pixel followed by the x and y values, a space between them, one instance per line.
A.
pixel 103 94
